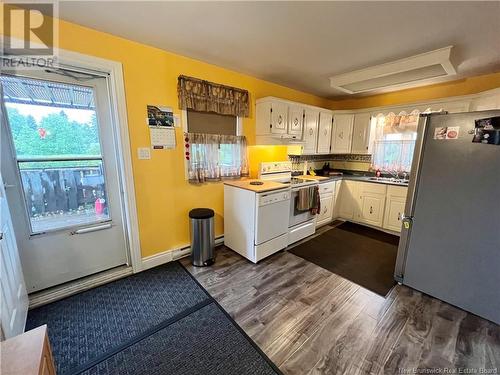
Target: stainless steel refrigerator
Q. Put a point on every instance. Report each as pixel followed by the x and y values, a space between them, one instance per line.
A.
pixel 450 241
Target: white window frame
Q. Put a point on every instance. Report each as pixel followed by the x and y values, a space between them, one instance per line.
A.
pixel 184 120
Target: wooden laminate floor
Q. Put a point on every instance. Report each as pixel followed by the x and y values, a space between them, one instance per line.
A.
pixel 311 321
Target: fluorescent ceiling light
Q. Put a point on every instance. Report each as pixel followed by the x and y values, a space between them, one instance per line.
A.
pixel 409 71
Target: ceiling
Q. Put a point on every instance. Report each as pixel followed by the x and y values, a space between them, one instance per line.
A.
pixel 301 44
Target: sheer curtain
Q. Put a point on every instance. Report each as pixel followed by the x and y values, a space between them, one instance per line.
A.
pixel 395 137
pixel 212 157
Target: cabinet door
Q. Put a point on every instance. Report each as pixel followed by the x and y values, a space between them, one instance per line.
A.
pixel 295 120
pixel 346 201
pixel 326 214
pixel 372 209
pixel 279 112
pixel 341 139
pixel 324 132
pixel 361 133
pixel 310 131
pixel 394 209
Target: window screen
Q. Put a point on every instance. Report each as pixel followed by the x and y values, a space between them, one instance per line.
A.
pixel 210 123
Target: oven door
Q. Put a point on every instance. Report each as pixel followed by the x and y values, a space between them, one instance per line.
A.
pixel 298 217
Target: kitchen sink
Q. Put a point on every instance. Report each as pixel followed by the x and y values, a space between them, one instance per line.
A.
pixel 390 179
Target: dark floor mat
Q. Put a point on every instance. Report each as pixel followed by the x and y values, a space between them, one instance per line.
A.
pixel 84 326
pixel 160 321
pixel 363 255
pixel 205 342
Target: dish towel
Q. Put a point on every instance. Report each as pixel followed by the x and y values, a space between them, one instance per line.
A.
pixel 308 199
pixel 315 201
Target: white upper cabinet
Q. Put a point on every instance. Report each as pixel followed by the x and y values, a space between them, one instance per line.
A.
pixel 278 121
pixel 310 131
pixel 342 133
pixel 295 120
pixel 279 116
pixel 361 133
pixel 324 132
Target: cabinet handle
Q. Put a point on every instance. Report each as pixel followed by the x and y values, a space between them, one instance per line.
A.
pixel 311 131
pixel 371 210
pixel 325 132
pixel 280 119
pixel 399 216
pixel 341 135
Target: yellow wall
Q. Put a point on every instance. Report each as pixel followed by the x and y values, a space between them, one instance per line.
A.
pixel 464 86
pixel 150 74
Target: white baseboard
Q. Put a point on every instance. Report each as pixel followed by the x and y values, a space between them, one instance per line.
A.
pixel 157 259
pixel 171 255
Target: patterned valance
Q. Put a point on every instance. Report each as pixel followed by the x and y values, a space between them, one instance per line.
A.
pixel 205 96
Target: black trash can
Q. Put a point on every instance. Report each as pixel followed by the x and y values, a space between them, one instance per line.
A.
pixel 202 236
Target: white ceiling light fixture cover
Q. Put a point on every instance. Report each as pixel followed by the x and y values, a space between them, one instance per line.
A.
pixel 410 71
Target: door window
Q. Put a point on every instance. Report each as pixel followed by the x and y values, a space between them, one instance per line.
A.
pixel 55 134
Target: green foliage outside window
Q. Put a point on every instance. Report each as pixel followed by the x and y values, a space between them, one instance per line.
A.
pixel 54 135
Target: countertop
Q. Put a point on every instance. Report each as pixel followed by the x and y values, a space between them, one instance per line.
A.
pixel 324 179
pixel 270 185
pixel 266 186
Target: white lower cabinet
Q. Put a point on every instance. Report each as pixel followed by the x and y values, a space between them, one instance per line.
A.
pixel 371 203
pixel 346 202
pixel 394 208
pixel 377 205
pixel 327 194
pixel 326 213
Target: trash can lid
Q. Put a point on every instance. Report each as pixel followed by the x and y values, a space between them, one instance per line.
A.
pixel 201 213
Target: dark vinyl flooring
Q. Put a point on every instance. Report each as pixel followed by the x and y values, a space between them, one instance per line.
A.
pixel 363 255
pixel 309 320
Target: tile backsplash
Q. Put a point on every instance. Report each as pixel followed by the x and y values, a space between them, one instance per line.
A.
pixel 355 162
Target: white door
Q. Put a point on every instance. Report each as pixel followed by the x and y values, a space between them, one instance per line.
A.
pixel 14 296
pixel 341 139
pixel 295 120
pixel 361 133
pixel 310 131
pixel 14 299
pixel 324 132
pixel 62 166
pixel 279 114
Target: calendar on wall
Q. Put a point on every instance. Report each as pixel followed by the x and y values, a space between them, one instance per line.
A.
pixel 161 127
pixel 162 138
